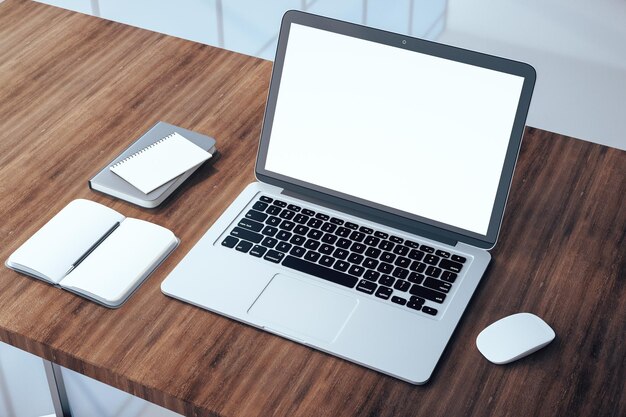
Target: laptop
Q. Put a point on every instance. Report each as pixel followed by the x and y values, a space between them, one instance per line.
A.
pixel 383 171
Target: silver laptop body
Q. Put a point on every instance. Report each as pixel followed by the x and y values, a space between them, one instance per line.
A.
pixel 383 172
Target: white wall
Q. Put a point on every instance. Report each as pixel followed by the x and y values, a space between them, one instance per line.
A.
pixel 23 386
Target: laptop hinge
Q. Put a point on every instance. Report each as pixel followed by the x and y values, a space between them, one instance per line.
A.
pixel 409 227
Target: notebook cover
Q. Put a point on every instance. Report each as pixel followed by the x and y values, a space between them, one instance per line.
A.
pixel 107 182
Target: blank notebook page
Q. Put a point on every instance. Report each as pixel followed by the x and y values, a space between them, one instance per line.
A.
pixel 160 162
pixel 111 271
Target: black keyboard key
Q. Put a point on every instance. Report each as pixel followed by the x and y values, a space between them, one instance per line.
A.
pixel 400 273
pixel 327 261
pixel 429 310
pixel 326 249
pixel 283 247
pixel 315 234
pixel 328 227
pixel 411 244
pixel 273 221
pixel 381 235
pixel 357 236
pixel 246 234
pixel 402 262
pixel 396 239
pixel 450 265
pixel 402 285
pixel 384 292
pixel 358 247
pixel 343 243
pixel 373 252
pixel 418 300
pixel 273 210
pixel 457 258
pixel 314 223
pixel 386 280
pixel 283 235
pixel 265 199
pixel 230 242
pixel 287 214
pixel 398 300
pixel 385 268
pixel 418 267
pixel 256 215
pixel 427 249
pixel 367 287
pixel 293 207
pixel 301 230
pixel 437 285
pixel 341 266
pixel 269 242
pixel 287 225
pixel 352 226
pixel 431 259
pixel 341 253
pixel 297 240
pixel 414 305
pixel 355 258
pixel 243 246
pixel 322 216
pixel 279 203
pixel 401 250
pixel 433 271
pixel 320 271
pixel 366 230
pixel 442 253
pixel 258 251
pixel 259 205
pixel 250 225
pixel 297 251
pixel 336 221
pixel 386 245
pixel 312 244
pixel 308 212
pixel 274 256
pixel 342 232
pixel 387 257
pixel 356 270
pixel 301 219
pixel 371 241
pixel 269 231
pixel 427 293
pixel 329 238
pixel 312 256
pixel 416 255
pixel 416 278
pixel 370 263
pixel 449 276
pixel 371 275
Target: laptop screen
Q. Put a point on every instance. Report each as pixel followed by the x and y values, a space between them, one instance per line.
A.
pixel 414 133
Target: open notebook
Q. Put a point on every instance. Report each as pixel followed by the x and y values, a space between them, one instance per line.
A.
pixel 94 251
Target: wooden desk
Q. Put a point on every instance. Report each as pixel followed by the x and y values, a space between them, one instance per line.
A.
pixel 75 90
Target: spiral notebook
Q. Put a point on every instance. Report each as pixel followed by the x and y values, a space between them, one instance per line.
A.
pixel 160 162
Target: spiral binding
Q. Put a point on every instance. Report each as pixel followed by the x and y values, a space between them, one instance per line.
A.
pixel 123 161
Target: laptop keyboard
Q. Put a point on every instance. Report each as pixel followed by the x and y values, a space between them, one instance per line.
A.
pixel 388 267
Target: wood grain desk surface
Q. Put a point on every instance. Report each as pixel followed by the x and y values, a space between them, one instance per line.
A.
pixel 75 90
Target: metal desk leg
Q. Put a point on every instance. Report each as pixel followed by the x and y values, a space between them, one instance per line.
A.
pixel 57 389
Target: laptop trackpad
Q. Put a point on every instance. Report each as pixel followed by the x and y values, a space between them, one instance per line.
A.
pixel 302 309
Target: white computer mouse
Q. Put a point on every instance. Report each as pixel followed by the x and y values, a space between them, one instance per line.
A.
pixel 514 337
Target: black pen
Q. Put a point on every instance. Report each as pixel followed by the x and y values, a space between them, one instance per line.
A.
pixel 93 247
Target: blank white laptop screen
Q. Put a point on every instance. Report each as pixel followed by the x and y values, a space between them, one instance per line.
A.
pixel 406 130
